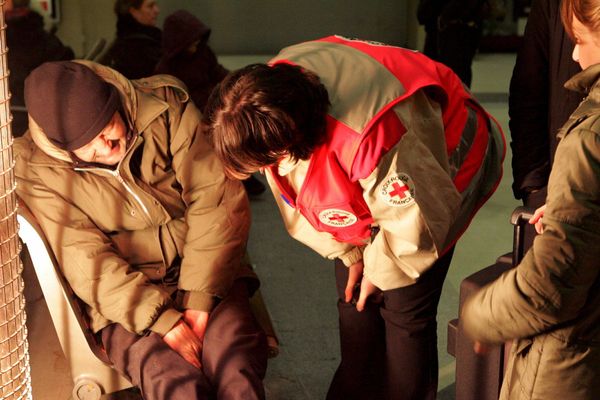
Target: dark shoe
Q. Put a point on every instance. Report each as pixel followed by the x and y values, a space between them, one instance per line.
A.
pixel 253 186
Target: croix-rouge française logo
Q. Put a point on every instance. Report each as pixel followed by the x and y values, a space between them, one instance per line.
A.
pixel 337 218
pixel 398 190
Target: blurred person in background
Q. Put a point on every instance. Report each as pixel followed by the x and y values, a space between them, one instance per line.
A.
pixel 29 45
pixel 137 47
pixel 187 56
pixel 538 103
pixel 453 31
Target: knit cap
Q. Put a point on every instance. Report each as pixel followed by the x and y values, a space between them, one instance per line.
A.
pixel 69 102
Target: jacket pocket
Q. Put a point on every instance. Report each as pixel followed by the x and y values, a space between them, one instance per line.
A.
pixel 155 272
pixel 522 347
pixel 523 373
pixel 138 247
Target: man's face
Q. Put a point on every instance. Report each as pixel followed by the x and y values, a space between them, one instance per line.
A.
pixel 587 45
pixel 146 14
pixel 109 146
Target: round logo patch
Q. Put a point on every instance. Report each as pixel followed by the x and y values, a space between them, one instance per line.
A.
pixel 398 190
pixel 337 218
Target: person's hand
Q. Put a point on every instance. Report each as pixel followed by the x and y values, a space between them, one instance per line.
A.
pixel 537 219
pixel 355 272
pixel 197 320
pixel 184 341
pixel 357 280
pixel 366 289
pixel 481 348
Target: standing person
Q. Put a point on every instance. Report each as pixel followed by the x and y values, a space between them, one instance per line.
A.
pixel 549 304
pixel 187 56
pixel 137 47
pixel 378 157
pixel 453 31
pixel 29 45
pixel 538 103
pixel 149 232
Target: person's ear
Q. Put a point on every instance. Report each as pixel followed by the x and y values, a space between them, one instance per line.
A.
pixel 132 11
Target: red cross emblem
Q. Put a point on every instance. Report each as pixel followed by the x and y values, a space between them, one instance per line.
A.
pixel 398 190
pixel 337 218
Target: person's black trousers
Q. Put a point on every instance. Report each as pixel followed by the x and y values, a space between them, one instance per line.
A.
pixel 389 350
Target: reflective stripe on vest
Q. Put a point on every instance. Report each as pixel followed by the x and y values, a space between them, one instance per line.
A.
pixel 359 124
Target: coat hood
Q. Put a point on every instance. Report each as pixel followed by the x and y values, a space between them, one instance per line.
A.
pixel 180 30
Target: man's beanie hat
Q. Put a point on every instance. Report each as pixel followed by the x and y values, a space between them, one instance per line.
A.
pixel 69 102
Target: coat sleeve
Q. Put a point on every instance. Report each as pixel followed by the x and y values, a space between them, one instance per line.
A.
pixel 91 264
pixel 552 283
pixel 412 235
pixel 217 214
pixel 412 232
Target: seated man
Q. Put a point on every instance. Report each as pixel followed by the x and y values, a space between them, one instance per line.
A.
pixel 148 230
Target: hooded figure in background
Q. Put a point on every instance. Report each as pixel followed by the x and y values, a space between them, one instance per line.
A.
pixel 187 55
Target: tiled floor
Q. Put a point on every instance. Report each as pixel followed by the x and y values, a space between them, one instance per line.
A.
pixel 298 285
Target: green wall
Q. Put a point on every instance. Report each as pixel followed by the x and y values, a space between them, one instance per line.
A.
pixel 257 27
pixel 264 27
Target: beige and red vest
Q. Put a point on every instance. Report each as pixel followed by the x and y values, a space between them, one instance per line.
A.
pixel 360 130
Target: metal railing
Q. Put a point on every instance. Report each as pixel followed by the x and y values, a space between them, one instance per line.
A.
pixel 15 376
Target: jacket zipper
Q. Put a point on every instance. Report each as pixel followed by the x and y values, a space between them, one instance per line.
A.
pixel 137 198
pixel 117 175
pixel 129 190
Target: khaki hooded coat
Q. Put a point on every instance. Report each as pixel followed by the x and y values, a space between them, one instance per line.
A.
pixel 550 303
pixel 164 231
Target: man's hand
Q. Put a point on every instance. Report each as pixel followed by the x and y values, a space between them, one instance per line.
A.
pixel 184 341
pixel 197 320
pixel 537 219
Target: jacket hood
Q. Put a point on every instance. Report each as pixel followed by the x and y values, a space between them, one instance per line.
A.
pixel 127 95
pixel 180 30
